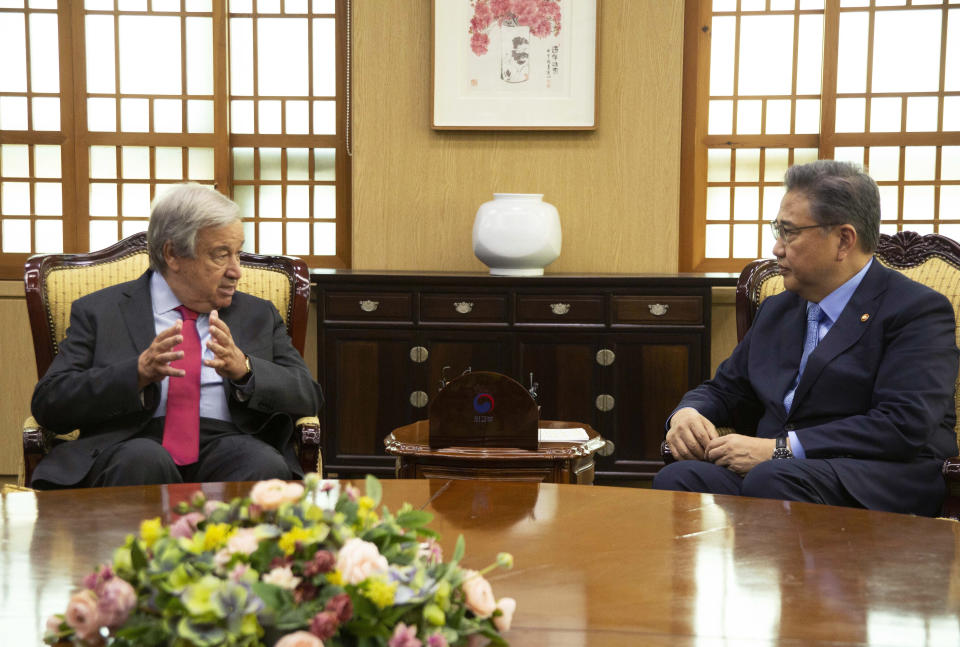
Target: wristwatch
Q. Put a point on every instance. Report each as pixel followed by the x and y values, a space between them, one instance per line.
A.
pixel 781 450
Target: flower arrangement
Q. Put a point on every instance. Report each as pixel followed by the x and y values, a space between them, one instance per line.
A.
pixel 541 16
pixel 293 565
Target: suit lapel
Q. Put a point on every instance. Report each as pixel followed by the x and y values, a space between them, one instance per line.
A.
pixel 847 330
pixel 789 348
pixel 136 308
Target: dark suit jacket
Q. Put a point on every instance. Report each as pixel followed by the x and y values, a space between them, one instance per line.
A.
pixel 876 397
pixel 92 383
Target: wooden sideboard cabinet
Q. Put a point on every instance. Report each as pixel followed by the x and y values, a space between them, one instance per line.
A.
pixel 614 351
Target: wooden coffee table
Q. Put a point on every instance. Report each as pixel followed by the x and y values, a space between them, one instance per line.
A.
pixel 551 462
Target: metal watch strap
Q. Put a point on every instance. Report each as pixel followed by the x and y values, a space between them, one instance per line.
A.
pixel 782 450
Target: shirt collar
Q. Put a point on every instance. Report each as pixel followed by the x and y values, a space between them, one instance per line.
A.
pixel 164 300
pixel 834 303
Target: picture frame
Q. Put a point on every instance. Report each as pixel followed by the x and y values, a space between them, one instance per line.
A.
pixel 532 66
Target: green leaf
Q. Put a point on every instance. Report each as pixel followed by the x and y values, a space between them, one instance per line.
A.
pixel 273 596
pixel 137 556
pixel 459 549
pixel 414 519
pixel 374 489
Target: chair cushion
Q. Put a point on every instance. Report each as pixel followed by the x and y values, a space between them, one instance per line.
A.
pixel 64 285
pixel 270 284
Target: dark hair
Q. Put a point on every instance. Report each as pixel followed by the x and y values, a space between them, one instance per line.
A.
pixel 839 193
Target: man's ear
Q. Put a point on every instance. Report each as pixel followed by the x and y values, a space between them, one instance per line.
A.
pixel 848 240
pixel 172 260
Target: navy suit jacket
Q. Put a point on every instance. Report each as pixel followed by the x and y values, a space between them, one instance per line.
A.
pixel 92 383
pixel 876 397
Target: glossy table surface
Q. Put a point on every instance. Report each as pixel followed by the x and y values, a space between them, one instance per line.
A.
pixel 593 565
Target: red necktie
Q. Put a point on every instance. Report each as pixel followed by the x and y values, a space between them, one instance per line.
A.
pixel 181 429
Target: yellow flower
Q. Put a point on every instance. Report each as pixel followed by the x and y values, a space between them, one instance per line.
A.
pixel 288 540
pixel 379 591
pixel 216 535
pixel 335 578
pixel 365 503
pixel 151 530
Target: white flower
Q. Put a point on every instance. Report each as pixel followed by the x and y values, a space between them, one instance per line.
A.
pixel 478 596
pixel 244 540
pixel 283 577
pixel 359 559
pixel 327 495
pixel 506 606
pixel 270 495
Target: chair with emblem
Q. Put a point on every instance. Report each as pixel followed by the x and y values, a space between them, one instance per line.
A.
pixel 933 260
pixel 54 281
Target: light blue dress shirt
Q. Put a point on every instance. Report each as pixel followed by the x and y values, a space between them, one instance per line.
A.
pixel 213 400
pixel 831 305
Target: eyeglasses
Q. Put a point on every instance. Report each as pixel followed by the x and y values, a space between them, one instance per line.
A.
pixel 787 233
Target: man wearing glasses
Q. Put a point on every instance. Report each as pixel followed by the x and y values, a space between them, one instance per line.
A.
pixel 843 388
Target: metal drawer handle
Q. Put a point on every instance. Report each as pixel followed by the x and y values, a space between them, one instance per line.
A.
pixel 605 402
pixel 419 399
pixel 560 308
pixel 463 307
pixel 658 309
pixel 606 357
pixel 369 306
pixel 419 354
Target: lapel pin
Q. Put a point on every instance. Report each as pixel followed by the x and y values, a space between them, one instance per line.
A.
pixel 864 316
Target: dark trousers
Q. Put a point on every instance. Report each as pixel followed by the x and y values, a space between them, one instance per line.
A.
pixel 810 480
pixel 226 454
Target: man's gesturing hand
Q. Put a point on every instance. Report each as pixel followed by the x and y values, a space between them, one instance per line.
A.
pixel 229 361
pixel 689 434
pixel 154 363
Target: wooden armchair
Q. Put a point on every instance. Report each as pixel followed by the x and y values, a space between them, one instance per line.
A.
pixel 933 260
pixel 52 283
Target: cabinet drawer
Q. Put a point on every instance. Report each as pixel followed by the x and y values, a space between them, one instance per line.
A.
pixel 486 308
pixel 363 306
pixel 657 310
pixel 560 309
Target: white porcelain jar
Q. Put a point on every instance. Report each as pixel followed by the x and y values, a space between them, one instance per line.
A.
pixel 517 234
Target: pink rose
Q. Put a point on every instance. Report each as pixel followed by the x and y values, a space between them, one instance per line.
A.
pixel 53 624
pixel 404 636
pixel 324 625
pixel 186 525
pixel 270 495
pixel 282 577
pixel 82 615
pixel 299 639
pixel 506 606
pixel 478 595
pixel 437 640
pixel 359 559
pixel 117 600
pixel 244 540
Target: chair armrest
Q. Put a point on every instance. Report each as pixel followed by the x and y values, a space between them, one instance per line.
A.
pixel 951 470
pixel 310 440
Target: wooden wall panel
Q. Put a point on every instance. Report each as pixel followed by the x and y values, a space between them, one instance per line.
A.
pixel 19 374
pixel 416 190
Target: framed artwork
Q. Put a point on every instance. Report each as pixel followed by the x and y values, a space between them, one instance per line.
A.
pixel 515 64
